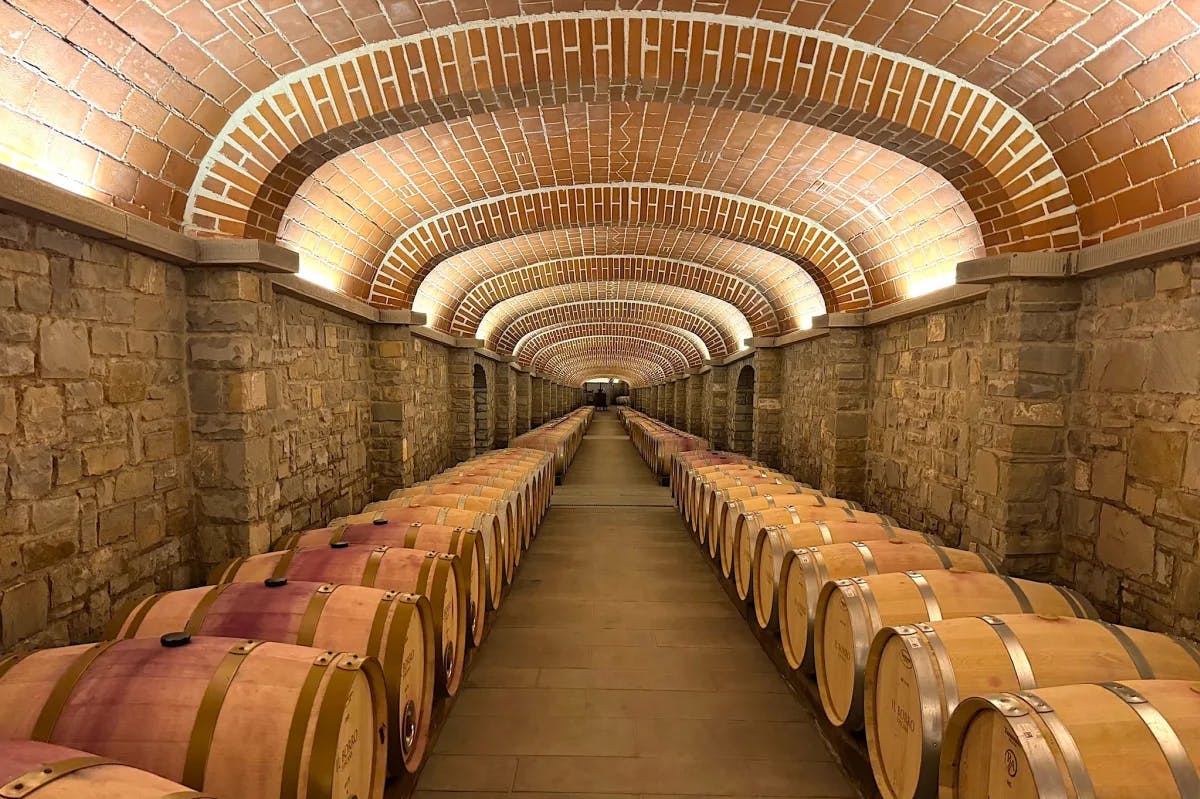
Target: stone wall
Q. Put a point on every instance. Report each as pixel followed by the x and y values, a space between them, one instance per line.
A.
pixel 95 444
pixel 1131 499
pixel 925 394
pixel 410 408
pixel 322 434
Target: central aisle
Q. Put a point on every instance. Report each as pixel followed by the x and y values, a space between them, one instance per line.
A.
pixel 618 667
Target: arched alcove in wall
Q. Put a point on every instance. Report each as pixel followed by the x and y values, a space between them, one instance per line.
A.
pixel 741 425
pixel 483 422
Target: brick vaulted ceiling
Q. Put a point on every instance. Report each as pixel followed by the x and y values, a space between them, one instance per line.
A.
pixel 617 188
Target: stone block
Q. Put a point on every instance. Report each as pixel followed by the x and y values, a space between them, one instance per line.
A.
pixel 31 470
pixel 1125 542
pixel 1157 456
pixel 126 382
pixel 53 515
pixel 247 391
pixel 34 294
pixel 18 328
pixel 1171 276
pixel 42 414
pixel 68 468
pixel 1038 414
pixel 24 611
pixel 104 458
pixel 134 482
pixel 8 411
pixel 15 360
pixel 1141 499
pixel 108 341
pixel 226 352
pixel 1174 362
pixel 64 350
pixel 1108 475
pixel 986 473
pixel 1120 365
pixel 117 524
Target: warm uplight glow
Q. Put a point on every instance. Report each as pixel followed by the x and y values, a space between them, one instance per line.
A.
pixel 927 283
pixel 314 271
pixel 66 171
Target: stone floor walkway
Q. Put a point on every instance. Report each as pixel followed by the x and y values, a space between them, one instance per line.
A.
pixel 618 667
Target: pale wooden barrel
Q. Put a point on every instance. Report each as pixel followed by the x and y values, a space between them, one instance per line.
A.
pixel 739 541
pixel 490 525
pixel 730 501
pixel 1134 739
pixel 505 536
pixel 45 771
pixel 697 474
pixel 235 718
pixel 899 550
pixel 523 521
pixel 803 571
pixel 436 576
pixel 686 463
pixel 850 613
pixel 710 493
pixel 485 577
pixel 701 479
pixel 916 676
pixel 496 476
pixel 394 628
pixel 535 464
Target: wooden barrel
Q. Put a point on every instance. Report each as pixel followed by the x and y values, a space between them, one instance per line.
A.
pixel 696 475
pixel 739 540
pixel 437 577
pixel 850 613
pixel 532 465
pixel 523 518
pixel 725 538
pixel 234 718
pixel 510 531
pixel 888 553
pixel 916 676
pixel 710 494
pixel 803 572
pixel 392 627
pixel 490 525
pixel 45 771
pixel 495 476
pixel 485 579
pixel 1134 739
pixel 726 476
pixel 686 462
pixel 725 501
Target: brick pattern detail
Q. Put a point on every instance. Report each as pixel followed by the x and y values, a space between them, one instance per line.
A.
pixel 608 354
pixel 684 349
pixel 354 207
pixel 695 261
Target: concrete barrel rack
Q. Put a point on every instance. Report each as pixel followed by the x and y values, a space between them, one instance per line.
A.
pixel 935 674
pixel 320 670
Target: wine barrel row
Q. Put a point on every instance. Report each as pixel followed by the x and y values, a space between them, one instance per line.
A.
pixel 656 442
pixel 307 672
pixel 965 683
pixel 560 437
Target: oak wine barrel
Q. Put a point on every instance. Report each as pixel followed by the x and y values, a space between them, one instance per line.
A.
pixel 396 629
pixel 738 542
pixel 235 718
pixel 901 551
pixel 510 532
pixel 1134 739
pixel 916 676
pixel 803 571
pixel 35 770
pixel 484 578
pixel 850 613
pixel 438 577
pixel 523 519
pixel 731 501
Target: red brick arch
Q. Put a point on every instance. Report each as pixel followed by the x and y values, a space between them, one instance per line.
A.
pixel 896 216
pixel 122 100
pixel 705 333
pixel 497 325
pixel 992 155
pixel 685 354
pixel 658 359
pixel 826 259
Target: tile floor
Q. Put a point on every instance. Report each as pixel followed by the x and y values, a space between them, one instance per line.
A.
pixel 618 668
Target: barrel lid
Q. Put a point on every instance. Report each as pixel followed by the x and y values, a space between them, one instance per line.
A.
pixel 275 582
pixel 177 639
pixel 339 544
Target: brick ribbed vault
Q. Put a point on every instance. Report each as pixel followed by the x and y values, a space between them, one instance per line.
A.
pixel 644 362
pixel 894 216
pixel 504 325
pixel 685 351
